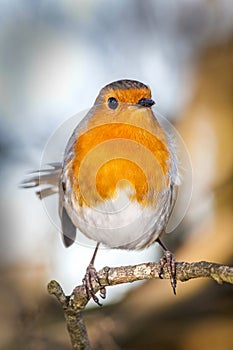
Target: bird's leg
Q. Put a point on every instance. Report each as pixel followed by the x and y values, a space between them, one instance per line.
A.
pixel 91 274
pixel 169 259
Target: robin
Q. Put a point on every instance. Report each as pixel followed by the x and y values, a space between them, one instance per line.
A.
pixel 118 180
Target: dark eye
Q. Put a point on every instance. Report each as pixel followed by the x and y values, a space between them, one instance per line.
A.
pixel 112 103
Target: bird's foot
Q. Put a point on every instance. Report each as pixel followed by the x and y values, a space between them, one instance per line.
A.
pixel 169 260
pixel 90 275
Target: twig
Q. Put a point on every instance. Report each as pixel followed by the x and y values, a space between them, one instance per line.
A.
pixel 74 304
pixel 74 319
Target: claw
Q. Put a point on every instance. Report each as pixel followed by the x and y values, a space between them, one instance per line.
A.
pixel 103 293
pixel 169 260
pixel 91 274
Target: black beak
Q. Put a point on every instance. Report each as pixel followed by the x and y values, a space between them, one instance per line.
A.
pixel 146 102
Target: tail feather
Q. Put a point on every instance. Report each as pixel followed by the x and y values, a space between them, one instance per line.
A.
pixel 47 178
pixel 45 192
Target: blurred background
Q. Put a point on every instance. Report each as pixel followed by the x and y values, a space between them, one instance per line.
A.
pixel 54 58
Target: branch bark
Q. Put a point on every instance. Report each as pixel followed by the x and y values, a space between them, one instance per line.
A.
pixel 74 304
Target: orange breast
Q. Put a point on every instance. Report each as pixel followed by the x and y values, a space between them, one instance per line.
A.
pixel 116 155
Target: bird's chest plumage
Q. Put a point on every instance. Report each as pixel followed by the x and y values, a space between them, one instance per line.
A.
pixel 118 184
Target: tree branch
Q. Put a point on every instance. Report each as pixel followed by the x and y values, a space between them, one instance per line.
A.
pixel 76 302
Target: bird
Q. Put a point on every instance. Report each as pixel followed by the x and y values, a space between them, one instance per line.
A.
pixel 118 180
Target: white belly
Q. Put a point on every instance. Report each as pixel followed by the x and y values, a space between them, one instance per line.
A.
pixel 121 223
